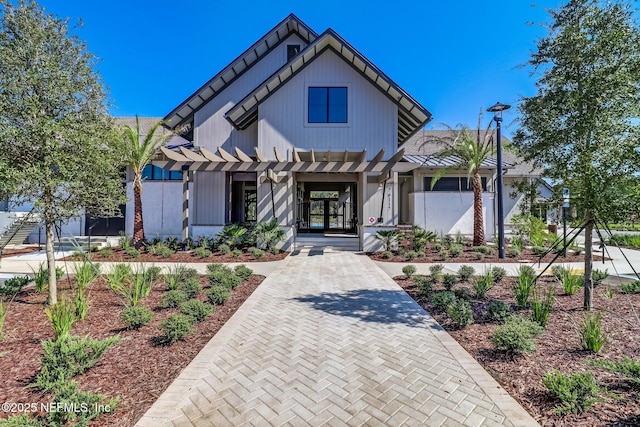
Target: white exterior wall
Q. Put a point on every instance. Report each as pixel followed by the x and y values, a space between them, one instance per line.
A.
pixel 212 130
pixel 448 213
pixel 161 209
pixel 372 117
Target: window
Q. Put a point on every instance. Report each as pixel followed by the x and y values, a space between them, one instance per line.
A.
pixel 327 105
pixel 452 184
pixel 154 173
pixel 292 50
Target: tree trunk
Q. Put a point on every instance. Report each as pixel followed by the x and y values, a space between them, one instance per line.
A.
pixel 138 226
pixel 588 261
pixel 478 221
pixel 51 263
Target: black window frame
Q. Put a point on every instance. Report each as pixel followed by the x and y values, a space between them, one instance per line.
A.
pixel 156 173
pixel 329 106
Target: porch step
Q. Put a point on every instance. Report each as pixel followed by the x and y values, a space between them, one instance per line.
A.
pixel 336 243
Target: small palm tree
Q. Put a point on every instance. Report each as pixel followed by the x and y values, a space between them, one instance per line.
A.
pixel 233 235
pixel 470 149
pixel 268 234
pixel 387 237
pixel 421 237
pixel 137 153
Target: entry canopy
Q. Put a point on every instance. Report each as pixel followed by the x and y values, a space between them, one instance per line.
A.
pixel 297 161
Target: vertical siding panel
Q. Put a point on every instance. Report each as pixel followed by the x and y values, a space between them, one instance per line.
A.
pixel 209 198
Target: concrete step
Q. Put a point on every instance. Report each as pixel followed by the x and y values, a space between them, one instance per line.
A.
pixel 341 243
pixel 72 243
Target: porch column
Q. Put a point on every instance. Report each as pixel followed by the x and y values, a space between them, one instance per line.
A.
pixel 185 204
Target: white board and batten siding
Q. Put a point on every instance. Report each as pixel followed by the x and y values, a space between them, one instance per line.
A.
pixel 212 130
pixel 372 117
pixel 162 209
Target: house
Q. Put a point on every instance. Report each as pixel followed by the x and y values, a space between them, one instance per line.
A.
pixel 301 127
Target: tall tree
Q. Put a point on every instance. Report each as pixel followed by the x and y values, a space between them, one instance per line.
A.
pixel 582 124
pixel 468 149
pixel 55 132
pixel 139 147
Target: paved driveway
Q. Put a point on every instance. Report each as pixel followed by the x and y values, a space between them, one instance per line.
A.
pixel 330 339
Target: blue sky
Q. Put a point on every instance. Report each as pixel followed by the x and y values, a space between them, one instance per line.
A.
pixel 453 57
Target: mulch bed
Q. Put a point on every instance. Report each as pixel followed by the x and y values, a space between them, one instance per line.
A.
pixel 468 256
pixel 137 369
pixel 558 348
pixel 119 255
pixel 21 251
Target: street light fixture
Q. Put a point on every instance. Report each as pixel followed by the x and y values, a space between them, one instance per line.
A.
pixel 497 110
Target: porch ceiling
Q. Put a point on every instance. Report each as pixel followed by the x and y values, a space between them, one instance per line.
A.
pixel 201 159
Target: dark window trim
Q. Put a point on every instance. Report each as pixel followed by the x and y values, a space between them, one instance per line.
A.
pixel 328 105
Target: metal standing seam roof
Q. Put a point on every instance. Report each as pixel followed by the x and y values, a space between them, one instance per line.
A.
pixel 411 115
pixel 183 113
pixel 450 161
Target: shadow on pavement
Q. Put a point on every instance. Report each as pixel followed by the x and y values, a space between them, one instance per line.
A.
pixel 369 305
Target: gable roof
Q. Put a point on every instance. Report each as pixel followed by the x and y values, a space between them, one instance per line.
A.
pixel 422 148
pixel 411 115
pixel 183 113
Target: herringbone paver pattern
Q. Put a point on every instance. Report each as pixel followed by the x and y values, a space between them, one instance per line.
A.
pixel 331 340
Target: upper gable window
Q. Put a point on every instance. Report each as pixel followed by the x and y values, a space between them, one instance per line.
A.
pixel 327 105
pixel 292 50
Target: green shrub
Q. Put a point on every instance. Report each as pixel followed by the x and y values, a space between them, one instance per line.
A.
pixel 411 255
pixel 14 285
pixel 23 420
pixel 160 249
pixel 498 310
pixel 538 250
pixel 119 275
pixel 577 250
pixel 482 284
pixel 516 335
pixel 478 256
pixel 598 276
pixel 105 252
pixel 228 279
pixel 136 317
pixel 449 281
pixel 68 395
pixel 456 250
pixel 498 274
pixel 463 294
pixel 68 356
pixel 387 254
pixel 460 313
pixel 3 316
pixel 444 254
pixel 151 273
pixel 202 252
pixel 576 392
pixel 424 285
pixel 523 284
pixel 442 300
pixel 256 252
pixel 571 282
pixel 62 316
pixel 224 248
pixel 176 327
pixel 132 252
pixel 436 272
pixel 236 253
pixel 514 252
pixel 465 272
pixel 630 288
pixel 485 250
pixel 409 270
pixel 218 295
pixel 216 266
pixel 243 272
pixel 541 307
pixel 592 337
pixel 191 287
pixel 268 234
pixel 558 271
pixel 628 367
pixel 196 309
pixel 173 298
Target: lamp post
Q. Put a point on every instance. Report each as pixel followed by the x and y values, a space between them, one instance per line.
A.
pixel 497 110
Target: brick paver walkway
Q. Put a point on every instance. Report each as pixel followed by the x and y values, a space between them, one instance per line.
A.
pixel 331 340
